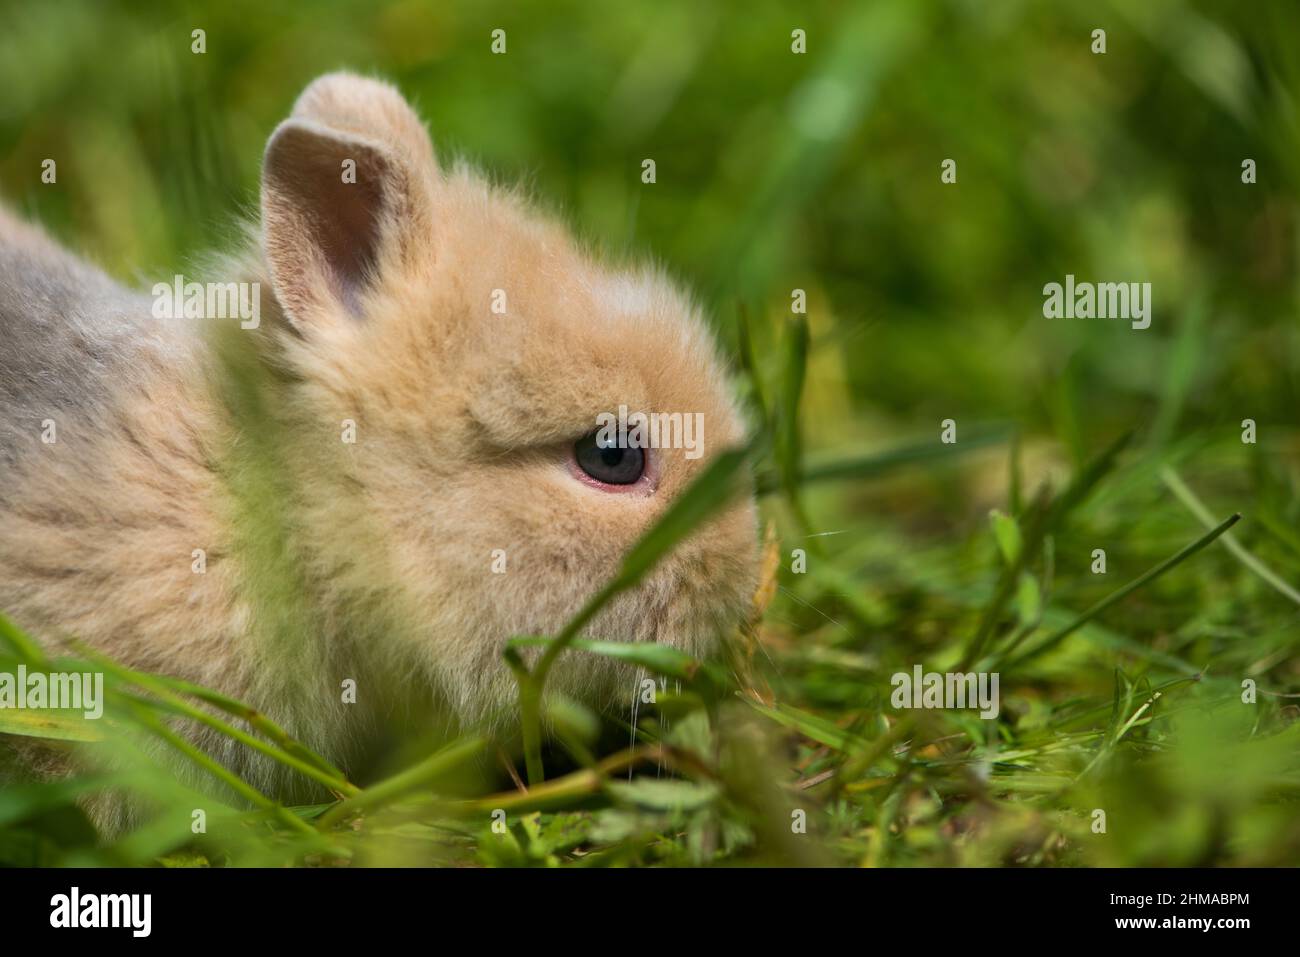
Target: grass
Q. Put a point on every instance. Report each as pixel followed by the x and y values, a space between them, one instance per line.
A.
pixel 1148 706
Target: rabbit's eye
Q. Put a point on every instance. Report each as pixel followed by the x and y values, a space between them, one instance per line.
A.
pixel 613 465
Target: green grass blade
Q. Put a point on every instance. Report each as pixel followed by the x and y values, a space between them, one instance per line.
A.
pixel 1052 640
pixel 404 782
pixel 873 465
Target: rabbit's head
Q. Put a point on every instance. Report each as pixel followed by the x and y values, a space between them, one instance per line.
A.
pixel 476 353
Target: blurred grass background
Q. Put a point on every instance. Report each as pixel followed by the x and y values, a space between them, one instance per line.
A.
pixel 821 171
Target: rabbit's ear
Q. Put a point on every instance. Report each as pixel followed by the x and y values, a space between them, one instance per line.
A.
pixel 347 185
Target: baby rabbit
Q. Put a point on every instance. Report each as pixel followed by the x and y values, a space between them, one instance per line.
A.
pixel 385 479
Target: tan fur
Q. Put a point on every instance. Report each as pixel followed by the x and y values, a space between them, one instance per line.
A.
pixel 464 420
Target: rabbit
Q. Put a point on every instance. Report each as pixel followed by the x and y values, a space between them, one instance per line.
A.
pixel 396 476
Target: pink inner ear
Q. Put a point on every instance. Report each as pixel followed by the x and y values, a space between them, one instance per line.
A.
pixel 350 224
pixel 312 215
